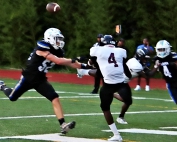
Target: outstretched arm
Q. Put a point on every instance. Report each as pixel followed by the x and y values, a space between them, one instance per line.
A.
pixel 150 73
pixel 60 61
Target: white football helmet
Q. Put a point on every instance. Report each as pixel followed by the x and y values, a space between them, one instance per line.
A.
pixel 163 48
pixel 54 37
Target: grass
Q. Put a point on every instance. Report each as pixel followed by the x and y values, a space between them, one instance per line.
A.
pixel 88 126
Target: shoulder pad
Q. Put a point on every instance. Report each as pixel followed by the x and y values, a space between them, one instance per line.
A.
pixel 174 55
pixel 42 45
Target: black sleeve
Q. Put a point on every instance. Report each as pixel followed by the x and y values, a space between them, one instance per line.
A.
pixel 126 69
pixel 94 62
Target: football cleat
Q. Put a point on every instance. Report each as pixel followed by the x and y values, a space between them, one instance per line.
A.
pixel 117 138
pixel 121 120
pixel 147 88
pixel 137 88
pixel 79 73
pixel 2 84
pixel 65 127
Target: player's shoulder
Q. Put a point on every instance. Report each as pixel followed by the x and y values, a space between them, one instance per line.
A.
pixel 42 45
pixel 121 49
pixel 96 44
pixel 173 55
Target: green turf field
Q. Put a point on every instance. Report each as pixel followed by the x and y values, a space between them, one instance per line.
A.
pixel 151 118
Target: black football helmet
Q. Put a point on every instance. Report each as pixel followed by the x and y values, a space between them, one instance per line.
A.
pixel 107 39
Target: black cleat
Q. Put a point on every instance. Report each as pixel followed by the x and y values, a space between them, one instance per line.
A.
pixel 65 127
pixel 2 84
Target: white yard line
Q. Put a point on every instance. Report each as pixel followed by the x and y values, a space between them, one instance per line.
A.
pixel 145 131
pixel 86 95
pixel 56 137
pixel 168 127
pixel 53 137
pixel 85 114
pixel 65 97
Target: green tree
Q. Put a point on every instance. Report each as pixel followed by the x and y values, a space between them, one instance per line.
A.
pixel 166 21
pixel 18 31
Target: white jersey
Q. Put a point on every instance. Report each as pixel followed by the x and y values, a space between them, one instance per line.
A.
pixel 134 67
pixel 110 61
pixel 96 44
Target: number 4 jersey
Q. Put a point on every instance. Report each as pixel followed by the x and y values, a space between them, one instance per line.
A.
pixel 168 71
pixel 37 66
pixel 110 61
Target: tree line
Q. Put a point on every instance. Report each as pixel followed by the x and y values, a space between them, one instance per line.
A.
pixel 23 22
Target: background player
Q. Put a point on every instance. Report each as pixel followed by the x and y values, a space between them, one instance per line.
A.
pixel 166 63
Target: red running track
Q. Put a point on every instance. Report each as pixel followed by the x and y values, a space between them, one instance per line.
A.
pixel 72 78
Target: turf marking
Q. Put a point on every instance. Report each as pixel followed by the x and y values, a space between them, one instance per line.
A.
pixel 54 137
pixel 85 114
pixel 87 95
pixel 145 131
pixel 168 127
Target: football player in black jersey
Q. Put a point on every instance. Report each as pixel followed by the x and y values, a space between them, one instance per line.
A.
pixel 166 63
pixel 46 54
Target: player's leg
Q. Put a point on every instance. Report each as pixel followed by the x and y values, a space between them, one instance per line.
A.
pixel 92 72
pixel 82 72
pixel 21 87
pixel 138 87
pixel 46 89
pixel 124 94
pixel 106 97
pixel 147 88
pixel 172 90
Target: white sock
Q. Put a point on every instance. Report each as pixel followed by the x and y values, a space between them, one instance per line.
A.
pixel 85 72
pixel 114 129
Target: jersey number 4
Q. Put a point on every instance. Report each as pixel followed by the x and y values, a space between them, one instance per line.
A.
pixel 111 59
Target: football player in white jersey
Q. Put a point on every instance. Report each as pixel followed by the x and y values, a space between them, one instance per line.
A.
pixel 111 61
pixel 136 68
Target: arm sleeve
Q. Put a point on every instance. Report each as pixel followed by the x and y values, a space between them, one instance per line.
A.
pixel 126 69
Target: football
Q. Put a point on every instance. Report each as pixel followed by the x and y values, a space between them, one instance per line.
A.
pixel 52 7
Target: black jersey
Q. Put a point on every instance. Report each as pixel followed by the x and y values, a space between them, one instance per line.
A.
pixel 38 66
pixel 168 71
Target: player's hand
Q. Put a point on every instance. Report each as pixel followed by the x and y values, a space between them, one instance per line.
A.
pixel 157 64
